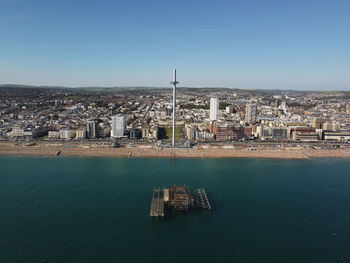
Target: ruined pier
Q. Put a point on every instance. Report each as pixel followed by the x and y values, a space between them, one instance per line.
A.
pixel 157 204
pixel 202 199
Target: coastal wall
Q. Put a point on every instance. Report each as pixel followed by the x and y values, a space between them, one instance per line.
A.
pixel 46 150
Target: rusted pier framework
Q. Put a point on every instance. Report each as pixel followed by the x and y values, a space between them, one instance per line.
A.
pixel 157 205
pixel 202 199
pixel 177 199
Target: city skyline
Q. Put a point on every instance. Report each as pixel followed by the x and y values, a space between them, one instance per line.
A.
pixel 269 45
pixel 247 157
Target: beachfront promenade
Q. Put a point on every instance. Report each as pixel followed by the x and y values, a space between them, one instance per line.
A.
pixel 152 151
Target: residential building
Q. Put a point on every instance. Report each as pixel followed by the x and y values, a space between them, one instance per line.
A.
pixel 118 126
pixel 67 134
pixel 91 130
pixel 214 109
pixel 250 113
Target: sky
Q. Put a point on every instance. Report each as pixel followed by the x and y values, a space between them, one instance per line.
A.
pixel 248 44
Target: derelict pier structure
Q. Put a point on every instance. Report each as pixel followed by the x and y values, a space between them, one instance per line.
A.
pixel 157 205
pixel 177 199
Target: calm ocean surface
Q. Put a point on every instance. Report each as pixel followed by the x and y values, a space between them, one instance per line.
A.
pixel 97 210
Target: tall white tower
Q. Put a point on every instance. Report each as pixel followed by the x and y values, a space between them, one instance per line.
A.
pixel 214 109
pixel 91 129
pixel 174 82
pixel 250 113
pixel 118 126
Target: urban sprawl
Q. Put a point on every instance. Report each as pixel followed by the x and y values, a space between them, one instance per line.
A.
pixel 136 117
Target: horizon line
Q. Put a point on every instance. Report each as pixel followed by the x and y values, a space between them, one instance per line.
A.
pixel 169 87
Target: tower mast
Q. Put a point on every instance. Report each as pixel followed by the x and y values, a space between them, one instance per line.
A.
pixel 174 82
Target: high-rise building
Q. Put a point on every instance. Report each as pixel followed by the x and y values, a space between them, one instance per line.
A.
pixel 67 134
pixel 250 113
pixel 80 134
pixel 317 123
pixel 91 129
pixel 118 126
pixel 214 109
pixel 283 105
pixel 277 103
pixel 229 109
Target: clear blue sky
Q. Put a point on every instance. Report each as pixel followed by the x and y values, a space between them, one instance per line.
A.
pixel 302 44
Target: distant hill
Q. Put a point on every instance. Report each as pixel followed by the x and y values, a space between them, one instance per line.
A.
pixel 30 86
pixel 114 89
pixel 87 89
pixel 144 88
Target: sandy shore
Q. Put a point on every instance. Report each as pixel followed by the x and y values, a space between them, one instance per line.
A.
pixel 45 150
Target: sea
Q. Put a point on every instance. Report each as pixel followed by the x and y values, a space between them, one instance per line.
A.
pixel 83 209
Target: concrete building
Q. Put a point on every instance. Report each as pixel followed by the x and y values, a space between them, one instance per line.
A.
pixel 104 132
pixel 250 113
pixel 146 134
pixel 91 130
pixel 17 132
pixel 227 132
pixel 265 132
pixel 304 134
pixel 229 109
pixel 118 126
pixel 158 113
pixel 204 135
pixel 341 136
pixel 214 109
pixel 135 133
pixel 317 123
pixel 247 132
pixel 283 105
pixel 67 134
pixel 54 135
pixel 190 132
pixel 328 126
pixel 280 133
pixel 80 134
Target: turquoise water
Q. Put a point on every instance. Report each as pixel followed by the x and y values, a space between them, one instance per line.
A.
pixel 97 210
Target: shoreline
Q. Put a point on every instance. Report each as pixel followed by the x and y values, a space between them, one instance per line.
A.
pixel 215 153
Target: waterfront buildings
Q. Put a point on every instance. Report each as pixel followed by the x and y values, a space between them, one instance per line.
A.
pixel 227 133
pixel 81 134
pixel 118 126
pixel 67 134
pixel 341 136
pixel 53 135
pixel 27 114
pixel 91 130
pixel 17 132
